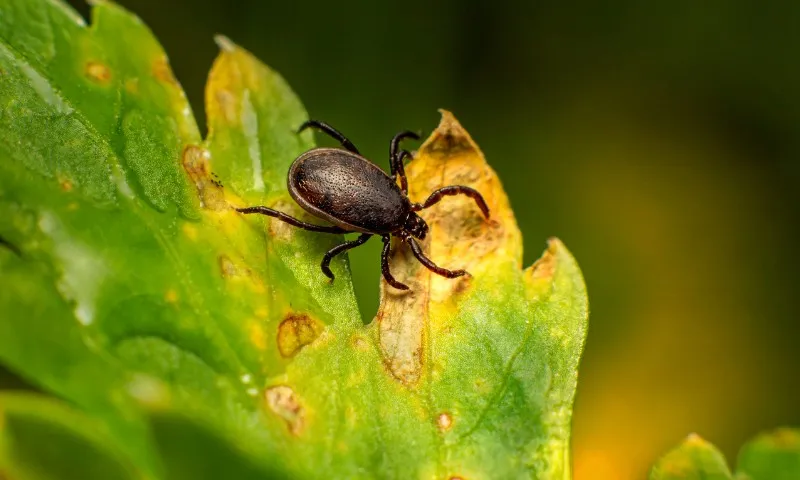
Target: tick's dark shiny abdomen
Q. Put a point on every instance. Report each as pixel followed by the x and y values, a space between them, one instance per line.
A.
pixel 347 190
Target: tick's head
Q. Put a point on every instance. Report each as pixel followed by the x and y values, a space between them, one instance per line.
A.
pixel 416 226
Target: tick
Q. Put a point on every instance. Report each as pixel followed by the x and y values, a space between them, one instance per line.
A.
pixel 355 195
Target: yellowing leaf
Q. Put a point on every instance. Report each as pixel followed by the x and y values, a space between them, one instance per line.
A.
pixel 202 341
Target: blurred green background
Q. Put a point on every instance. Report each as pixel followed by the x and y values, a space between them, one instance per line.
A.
pixel 659 140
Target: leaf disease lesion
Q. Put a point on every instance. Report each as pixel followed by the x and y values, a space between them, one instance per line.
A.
pixel 148 304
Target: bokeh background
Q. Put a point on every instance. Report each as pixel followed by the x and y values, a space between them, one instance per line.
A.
pixel 660 140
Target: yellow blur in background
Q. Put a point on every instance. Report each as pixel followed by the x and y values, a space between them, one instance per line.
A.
pixel 659 140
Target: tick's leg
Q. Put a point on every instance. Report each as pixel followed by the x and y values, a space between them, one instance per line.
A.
pixel 326 260
pixel 387 243
pixel 454 190
pixel 429 264
pixel 401 171
pixel 324 127
pixel 291 220
pixel 396 157
pixel 394 145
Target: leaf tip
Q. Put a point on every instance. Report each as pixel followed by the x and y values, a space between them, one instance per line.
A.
pixel 112 6
pixel 224 43
pixel 786 438
pixel 695 440
pixel 782 438
pixel 556 269
pixel 545 266
pixel 555 243
pixel 449 137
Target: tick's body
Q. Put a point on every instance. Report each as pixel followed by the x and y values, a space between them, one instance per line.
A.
pixel 347 190
pixel 353 194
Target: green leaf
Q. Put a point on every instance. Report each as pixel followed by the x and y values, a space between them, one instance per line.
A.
pixel 192 450
pixel 205 342
pixel 104 278
pixel 772 456
pixel 41 439
pixel 693 459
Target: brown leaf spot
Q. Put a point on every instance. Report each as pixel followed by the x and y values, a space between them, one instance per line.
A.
pixel 295 332
pixel 98 72
pixel 230 269
pixel 226 266
pixel 359 343
pixel 401 318
pixel 162 71
pixel 444 421
pixel 65 184
pixel 195 161
pixel 282 400
pixel 456 478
